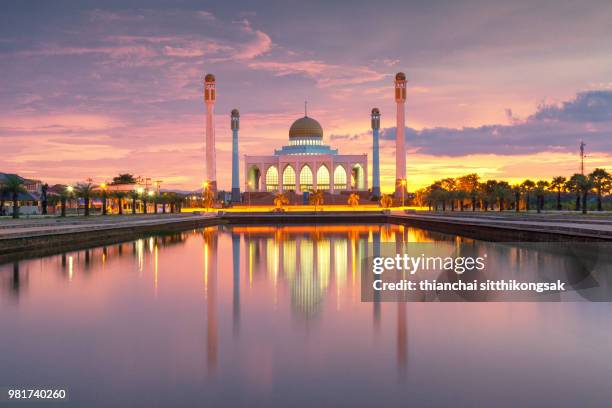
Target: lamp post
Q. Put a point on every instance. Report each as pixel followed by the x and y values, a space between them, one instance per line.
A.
pixel 250 184
pixel 103 186
pixel 70 191
pixel 140 192
pixel 152 195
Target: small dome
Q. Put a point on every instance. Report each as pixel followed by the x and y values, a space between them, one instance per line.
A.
pixel 209 78
pixel 235 112
pixel 400 76
pixel 305 127
pixel 375 111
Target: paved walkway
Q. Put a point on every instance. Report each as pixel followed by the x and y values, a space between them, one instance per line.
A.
pixel 10 229
pixel 570 225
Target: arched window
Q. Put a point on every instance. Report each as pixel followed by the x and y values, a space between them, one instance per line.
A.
pixel 357 176
pixel 272 179
pixel 323 178
pixel 340 178
pixel 289 178
pixel 306 178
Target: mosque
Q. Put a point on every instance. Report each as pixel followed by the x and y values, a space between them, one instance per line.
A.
pixel 306 163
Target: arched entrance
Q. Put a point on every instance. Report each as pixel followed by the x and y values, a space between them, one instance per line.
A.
pixel 357 177
pixel 253 178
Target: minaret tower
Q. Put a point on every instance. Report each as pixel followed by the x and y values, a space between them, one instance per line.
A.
pixel 210 96
pixel 400 148
pixel 235 173
pixel 375 155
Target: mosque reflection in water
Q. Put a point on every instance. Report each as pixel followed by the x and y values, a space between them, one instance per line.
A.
pixel 309 264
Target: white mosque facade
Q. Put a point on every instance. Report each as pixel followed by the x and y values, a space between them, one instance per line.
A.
pixel 305 164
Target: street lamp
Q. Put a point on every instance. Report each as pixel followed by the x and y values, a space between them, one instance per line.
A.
pixel 103 186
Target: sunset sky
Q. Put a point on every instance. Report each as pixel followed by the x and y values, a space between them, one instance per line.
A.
pixel 91 89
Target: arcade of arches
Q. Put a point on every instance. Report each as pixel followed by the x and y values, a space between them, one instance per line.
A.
pixel 350 177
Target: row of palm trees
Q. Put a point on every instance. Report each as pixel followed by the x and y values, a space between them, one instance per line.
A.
pixel 470 191
pixel 87 192
pixel 13 186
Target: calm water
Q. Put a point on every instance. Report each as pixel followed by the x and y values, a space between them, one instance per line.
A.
pixel 272 315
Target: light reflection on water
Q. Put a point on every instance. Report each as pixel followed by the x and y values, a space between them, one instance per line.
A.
pixel 246 315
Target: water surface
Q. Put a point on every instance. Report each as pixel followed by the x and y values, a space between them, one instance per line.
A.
pixel 239 316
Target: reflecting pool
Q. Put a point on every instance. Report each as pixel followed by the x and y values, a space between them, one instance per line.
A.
pixel 272 315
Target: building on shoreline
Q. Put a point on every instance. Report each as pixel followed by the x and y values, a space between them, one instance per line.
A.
pixel 305 164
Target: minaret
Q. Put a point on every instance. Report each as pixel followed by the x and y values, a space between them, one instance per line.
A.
pixel 235 160
pixel 210 96
pixel 375 156
pixel 400 148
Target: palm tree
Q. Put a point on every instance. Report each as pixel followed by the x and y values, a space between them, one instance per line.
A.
pixel 527 187
pixel 353 200
pixel 602 181
pixel 13 185
pixel 573 185
pixel 133 194
pixel 43 198
pixel 502 192
pixel 316 198
pixel 120 196
pixel 208 198
pixel 64 194
pixel 85 191
pixel 280 200
pixel 558 185
pixel 386 201
pixel 541 187
pixel 450 185
pixel 516 188
pixel 585 184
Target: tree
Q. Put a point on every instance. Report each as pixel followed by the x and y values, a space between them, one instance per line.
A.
pixel 584 185
pixel 316 198
pixel 573 186
pixel 541 187
pixel 386 201
pixel 280 200
pixel 470 183
pixel 602 182
pixel 516 189
pixel 208 198
pixel 133 194
pixel 43 198
pixel 353 200
pixel 502 192
pixel 124 178
pixel 64 194
pixel 13 185
pixel 558 185
pixel 85 191
pixel 527 187
pixel 119 195
pixel 450 185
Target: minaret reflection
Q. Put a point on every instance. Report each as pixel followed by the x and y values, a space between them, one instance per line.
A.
pixel 402 338
pixel 210 287
pixel 376 253
pixel 236 291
